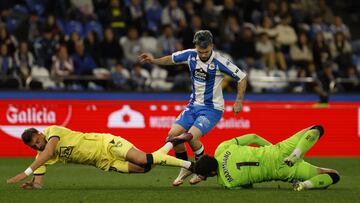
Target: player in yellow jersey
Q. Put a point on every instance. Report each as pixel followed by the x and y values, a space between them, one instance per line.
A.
pixel 104 151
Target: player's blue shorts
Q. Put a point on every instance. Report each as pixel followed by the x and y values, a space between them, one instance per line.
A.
pixel 202 117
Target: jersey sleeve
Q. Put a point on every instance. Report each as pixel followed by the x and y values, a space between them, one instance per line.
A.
pixel 232 70
pixel 53 131
pixel 42 169
pixel 224 145
pixel 181 56
pixel 249 139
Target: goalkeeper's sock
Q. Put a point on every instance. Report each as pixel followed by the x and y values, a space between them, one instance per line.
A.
pixel 166 148
pixel 319 181
pixel 164 159
pixel 305 143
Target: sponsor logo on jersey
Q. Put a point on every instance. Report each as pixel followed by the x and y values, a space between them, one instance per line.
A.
pixel 200 75
pixel 65 152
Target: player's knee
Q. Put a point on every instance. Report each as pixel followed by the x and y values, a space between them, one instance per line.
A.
pixel 320 129
pixel 335 177
pixel 141 161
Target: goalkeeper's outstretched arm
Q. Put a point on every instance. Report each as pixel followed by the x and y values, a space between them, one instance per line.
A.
pixel 249 139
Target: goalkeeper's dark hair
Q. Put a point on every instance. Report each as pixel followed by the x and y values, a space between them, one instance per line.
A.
pixel 28 134
pixel 206 165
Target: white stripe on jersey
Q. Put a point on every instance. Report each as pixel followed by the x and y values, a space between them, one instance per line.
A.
pixel 199 92
pixel 219 99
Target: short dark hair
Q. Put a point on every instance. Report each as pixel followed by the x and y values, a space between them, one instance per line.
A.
pixel 28 134
pixel 206 165
pixel 203 38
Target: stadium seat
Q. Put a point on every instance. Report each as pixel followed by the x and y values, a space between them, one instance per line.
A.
pixel 12 24
pixel 101 73
pixel 153 17
pixel 96 27
pixel 61 24
pixel 39 75
pixel 35 85
pixel 159 82
pixel 30 3
pixel 254 75
pixel 280 85
pixel 37 6
pixel 74 26
pixel 94 87
pixel 12 83
pixel 20 9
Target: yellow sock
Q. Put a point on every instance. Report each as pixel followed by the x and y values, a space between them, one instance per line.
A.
pixel 166 160
pixel 165 149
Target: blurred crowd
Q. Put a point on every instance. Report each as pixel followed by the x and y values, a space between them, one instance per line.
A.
pixel 93 44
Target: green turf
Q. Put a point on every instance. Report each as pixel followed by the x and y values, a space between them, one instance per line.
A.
pixel 75 183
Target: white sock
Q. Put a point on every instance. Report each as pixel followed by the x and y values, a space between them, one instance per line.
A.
pixel 186 164
pixel 167 147
pixel 297 152
pixel 308 184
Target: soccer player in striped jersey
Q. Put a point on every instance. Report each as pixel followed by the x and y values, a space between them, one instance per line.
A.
pixel 239 165
pixel 207 68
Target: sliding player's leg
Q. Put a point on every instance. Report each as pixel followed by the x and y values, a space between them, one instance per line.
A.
pixel 307 140
pixel 308 176
pixel 121 149
pixel 140 158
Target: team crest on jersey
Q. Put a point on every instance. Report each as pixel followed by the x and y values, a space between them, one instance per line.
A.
pixel 66 151
pixel 212 66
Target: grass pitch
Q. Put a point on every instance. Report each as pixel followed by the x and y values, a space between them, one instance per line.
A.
pixel 76 183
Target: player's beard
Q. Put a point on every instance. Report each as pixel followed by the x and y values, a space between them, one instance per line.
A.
pixel 205 59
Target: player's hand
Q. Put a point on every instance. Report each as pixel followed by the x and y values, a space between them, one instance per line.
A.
pixel 237 107
pixel 31 185
pixel 17 178
pixel 145 58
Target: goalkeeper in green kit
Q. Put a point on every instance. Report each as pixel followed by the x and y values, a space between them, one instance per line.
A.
pixel 239 165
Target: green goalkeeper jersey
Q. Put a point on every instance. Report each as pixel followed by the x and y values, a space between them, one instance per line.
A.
pixel 241 165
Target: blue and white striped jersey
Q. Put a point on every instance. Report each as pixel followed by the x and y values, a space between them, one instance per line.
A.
pixel 207 76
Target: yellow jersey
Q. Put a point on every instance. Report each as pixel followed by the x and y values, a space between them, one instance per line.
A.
pixel 78 147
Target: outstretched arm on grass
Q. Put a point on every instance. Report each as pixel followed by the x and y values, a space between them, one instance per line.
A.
pixel 46 155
